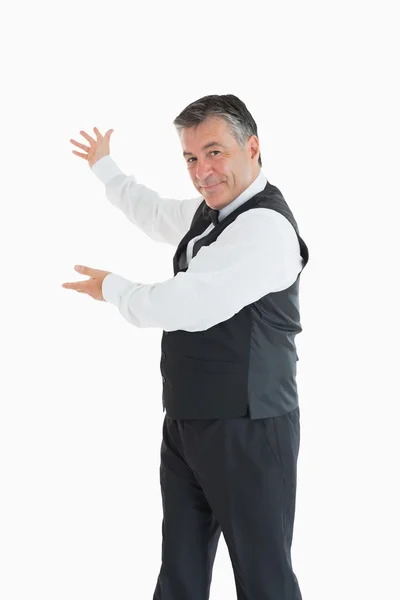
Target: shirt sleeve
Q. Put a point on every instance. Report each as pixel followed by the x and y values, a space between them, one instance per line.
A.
pixel 257 254
pixel 163 219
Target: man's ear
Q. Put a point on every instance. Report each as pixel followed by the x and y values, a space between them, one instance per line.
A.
pixel 254 146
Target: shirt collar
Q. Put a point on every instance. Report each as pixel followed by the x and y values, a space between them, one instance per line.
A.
pixel 254 188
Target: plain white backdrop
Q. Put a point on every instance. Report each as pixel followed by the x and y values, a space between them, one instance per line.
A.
pixel 81 411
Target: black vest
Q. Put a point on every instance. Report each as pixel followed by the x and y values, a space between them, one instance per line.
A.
pixel 246 364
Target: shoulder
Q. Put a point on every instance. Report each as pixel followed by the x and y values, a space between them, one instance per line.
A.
pixel 263 219
pixel 261 227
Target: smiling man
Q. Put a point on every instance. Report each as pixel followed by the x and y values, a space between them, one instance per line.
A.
pixel 229 316
pixel 220 170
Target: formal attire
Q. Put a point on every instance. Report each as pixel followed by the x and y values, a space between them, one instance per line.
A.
pixel 231 432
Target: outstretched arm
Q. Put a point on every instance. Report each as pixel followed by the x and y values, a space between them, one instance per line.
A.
pixel 257 254
pixel 162 219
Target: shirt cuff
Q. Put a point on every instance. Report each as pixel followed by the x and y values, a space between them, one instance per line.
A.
pixel 105 169
pixel 113 287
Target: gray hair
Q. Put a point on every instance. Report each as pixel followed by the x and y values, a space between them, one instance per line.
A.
pixel 228 107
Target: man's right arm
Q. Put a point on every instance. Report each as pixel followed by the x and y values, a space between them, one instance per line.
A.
pixel 163 219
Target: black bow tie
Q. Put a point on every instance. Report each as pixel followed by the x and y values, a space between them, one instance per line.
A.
pixel 211 214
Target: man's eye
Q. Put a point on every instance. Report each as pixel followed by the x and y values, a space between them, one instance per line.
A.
pixel 210 153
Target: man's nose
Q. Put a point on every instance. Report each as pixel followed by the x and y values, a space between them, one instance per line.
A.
pixel 203 172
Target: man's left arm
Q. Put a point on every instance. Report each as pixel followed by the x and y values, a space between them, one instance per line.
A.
pixel 257 254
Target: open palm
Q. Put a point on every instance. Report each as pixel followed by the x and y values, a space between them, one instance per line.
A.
pixel 97 149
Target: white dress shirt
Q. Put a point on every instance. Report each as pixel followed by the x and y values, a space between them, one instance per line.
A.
pixel 257 254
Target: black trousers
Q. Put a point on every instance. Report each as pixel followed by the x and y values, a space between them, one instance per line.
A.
pixel 237 476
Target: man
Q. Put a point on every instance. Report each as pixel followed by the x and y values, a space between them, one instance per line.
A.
pixel 229 317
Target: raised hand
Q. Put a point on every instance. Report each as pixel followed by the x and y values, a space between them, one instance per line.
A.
pixel 98 148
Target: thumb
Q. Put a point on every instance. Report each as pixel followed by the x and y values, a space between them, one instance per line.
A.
pixel 109 132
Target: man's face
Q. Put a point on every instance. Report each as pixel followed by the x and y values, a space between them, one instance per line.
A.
pixel 224 163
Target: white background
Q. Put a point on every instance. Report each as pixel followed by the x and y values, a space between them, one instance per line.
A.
pixel 81 413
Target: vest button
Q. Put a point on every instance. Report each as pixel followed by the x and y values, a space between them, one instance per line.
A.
pixel 163 354
pixel 163 379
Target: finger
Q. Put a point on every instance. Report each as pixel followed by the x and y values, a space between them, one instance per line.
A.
pixel 98 134
pixel 75 285
pixel 88 137
pixel 79 154
pixel 80 145
pixel 86 270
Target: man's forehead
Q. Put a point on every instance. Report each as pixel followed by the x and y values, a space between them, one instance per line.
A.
pixel 213 133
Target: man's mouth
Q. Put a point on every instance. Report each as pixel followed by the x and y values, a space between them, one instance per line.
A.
pixel 210 187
